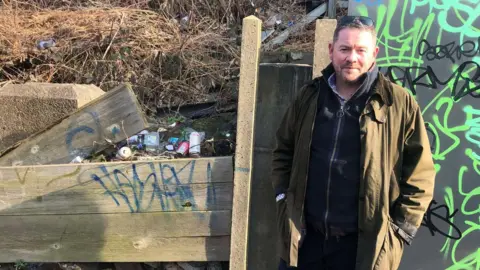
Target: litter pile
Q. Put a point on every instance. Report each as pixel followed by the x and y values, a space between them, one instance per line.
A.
pixel 177 140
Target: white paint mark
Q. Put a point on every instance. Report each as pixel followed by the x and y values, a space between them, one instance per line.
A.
pixel 17 163
pixel 141 244
pixel 56 246
pixel 35 149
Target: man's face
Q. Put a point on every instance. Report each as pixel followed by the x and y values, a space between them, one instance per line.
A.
pixel 352 54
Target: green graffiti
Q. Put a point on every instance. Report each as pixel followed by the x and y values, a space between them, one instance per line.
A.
pixel 471 261
pixel 468 195
pixel 402 27
pixel 475 159
pixel 454 125
pixel 473 134
pixel 450 203
pixel 402 54
pixel 442 123
pixel 446 8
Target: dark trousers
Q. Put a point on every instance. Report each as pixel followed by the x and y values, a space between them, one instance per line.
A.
pixel 318 253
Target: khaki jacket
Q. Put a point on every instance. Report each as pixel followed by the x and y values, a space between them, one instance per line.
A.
pixel 397 172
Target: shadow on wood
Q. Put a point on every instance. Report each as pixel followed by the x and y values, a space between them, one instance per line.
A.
pixel 51 238
pixel 278 85
pixel 171 210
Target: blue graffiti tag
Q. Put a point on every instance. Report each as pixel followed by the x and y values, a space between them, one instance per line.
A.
pixel 181 194
pixel 74 128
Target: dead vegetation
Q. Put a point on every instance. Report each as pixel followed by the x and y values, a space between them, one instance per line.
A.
pixel 172 52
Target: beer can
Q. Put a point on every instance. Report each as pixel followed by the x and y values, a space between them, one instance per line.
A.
pixel 183 148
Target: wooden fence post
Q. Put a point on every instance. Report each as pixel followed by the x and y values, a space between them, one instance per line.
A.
pixel 324 29
pixel 250 54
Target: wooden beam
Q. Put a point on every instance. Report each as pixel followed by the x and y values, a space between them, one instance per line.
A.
pixel 140 237
pixel 250 55
pixel 118 187
pixel 117 212
pixel 332 9
pixel 114 116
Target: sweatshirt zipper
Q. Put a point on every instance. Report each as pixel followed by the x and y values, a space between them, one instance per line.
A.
pixel 340 115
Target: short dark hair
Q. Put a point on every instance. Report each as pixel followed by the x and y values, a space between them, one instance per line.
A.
pixel 354 25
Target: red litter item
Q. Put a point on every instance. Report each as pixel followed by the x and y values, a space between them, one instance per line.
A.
pixel 183 148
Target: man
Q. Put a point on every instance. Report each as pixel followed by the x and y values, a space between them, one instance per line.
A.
pixel 352 168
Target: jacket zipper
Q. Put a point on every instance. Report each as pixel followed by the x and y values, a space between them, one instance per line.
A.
pixel 340 115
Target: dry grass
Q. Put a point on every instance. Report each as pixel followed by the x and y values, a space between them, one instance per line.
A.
pixel 108 47
pixel 143 42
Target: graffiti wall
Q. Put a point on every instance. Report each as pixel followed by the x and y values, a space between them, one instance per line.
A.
pixel 431 47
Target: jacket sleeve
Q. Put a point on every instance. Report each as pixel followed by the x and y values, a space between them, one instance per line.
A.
pixel 282 156
pixel 418 178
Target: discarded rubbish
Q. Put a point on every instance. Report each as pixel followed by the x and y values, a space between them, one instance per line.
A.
pixel 151 141
pixel 139 138
pixel 267 33
pixel 77 159
pixel 173 140
pixel 124 153
pixel 205 137
pixel 195 141
pixel 45 44
pixel 272 21
pixel 183 148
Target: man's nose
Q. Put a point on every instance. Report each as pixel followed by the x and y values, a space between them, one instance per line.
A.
pixel 352 56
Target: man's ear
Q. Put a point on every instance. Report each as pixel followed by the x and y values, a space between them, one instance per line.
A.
pixel 375 52
pixel 330 50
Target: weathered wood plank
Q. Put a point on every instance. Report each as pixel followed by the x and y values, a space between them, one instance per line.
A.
pixel 194 197
pixel 118 187
pixel 114 116
pixel 192 236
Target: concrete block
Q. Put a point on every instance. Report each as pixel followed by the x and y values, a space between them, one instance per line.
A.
pixel 243 150
pixel 31 107
pixel 324 29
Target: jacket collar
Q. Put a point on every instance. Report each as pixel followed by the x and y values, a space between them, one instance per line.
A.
pixel 381 86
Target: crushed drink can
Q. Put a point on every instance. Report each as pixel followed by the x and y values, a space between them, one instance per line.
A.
pixel 183 148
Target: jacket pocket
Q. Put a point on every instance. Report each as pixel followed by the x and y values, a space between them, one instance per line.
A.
pixel 391 252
